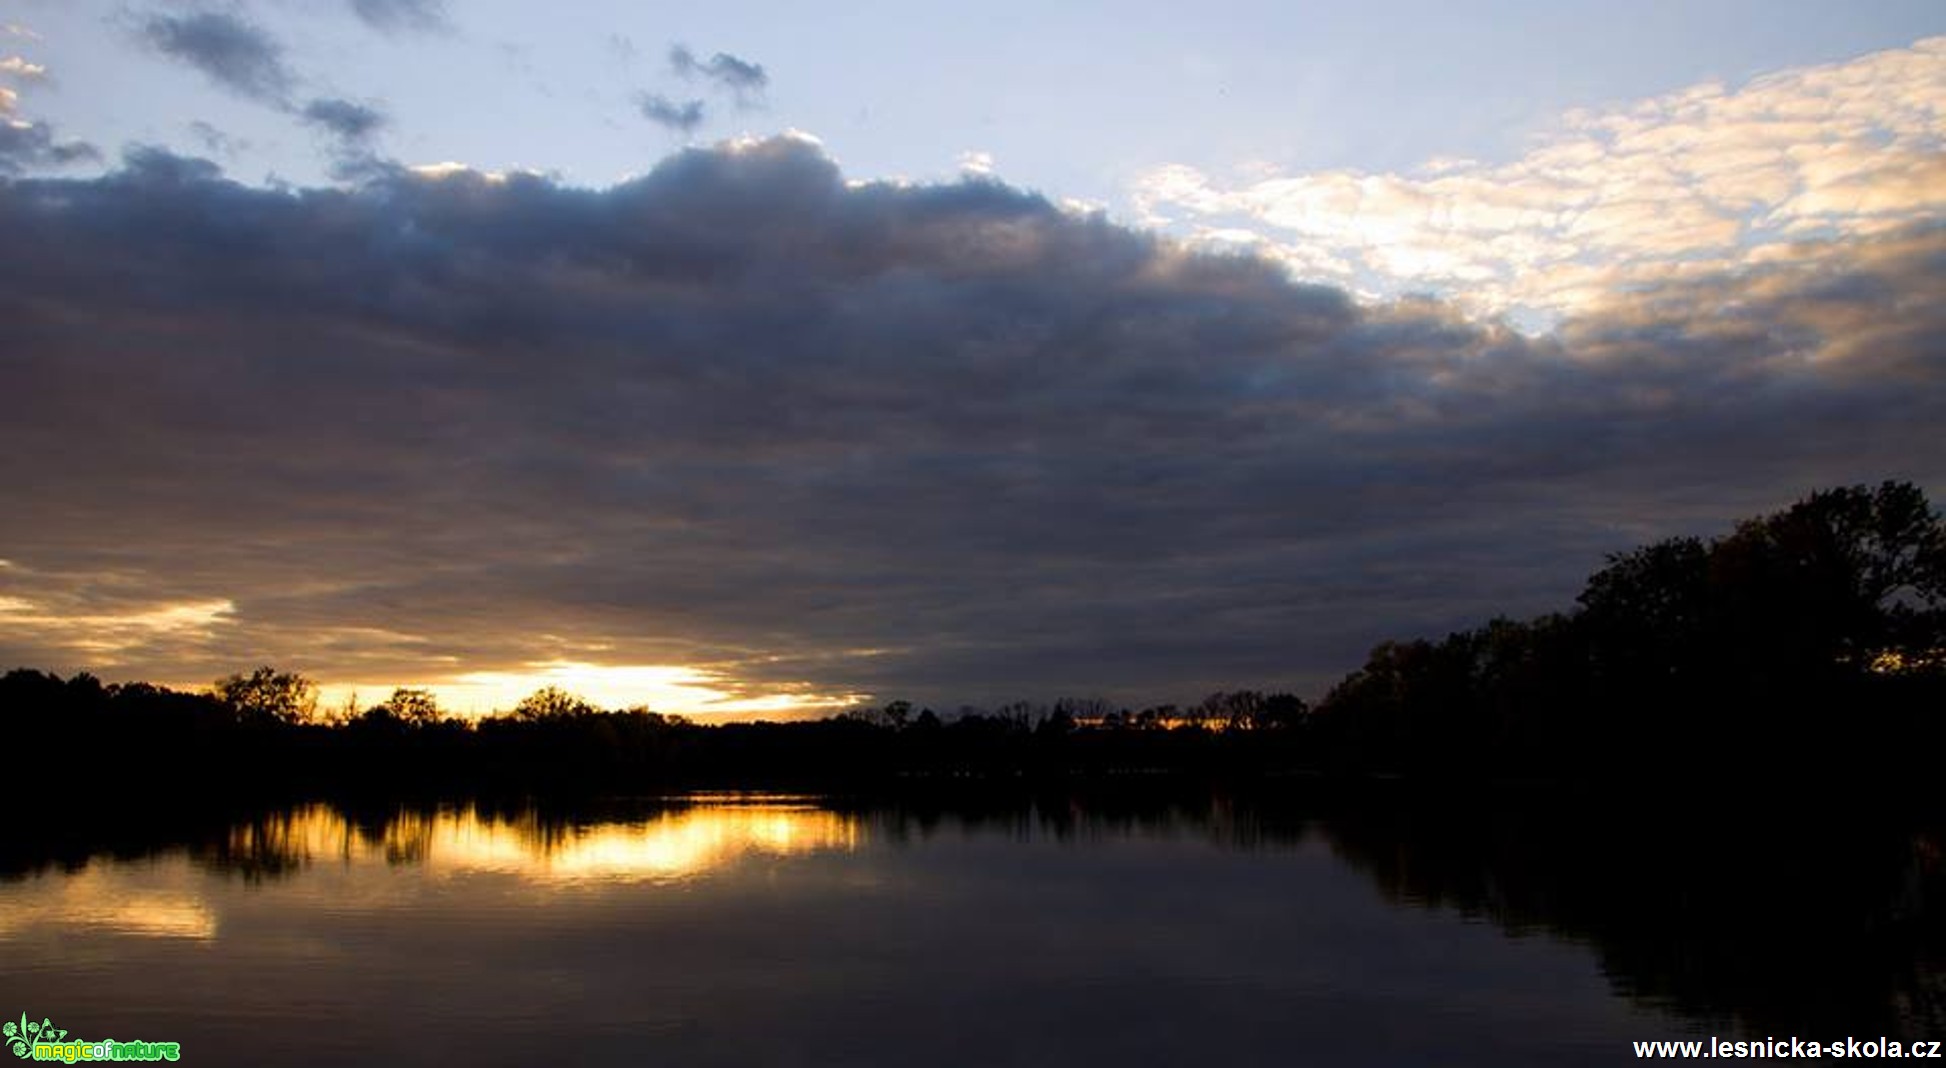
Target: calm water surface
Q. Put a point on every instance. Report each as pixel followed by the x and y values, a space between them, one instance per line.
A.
pixel 778 931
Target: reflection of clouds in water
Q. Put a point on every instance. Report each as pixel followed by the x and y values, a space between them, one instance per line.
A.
pixel 105 899
pixel 678 844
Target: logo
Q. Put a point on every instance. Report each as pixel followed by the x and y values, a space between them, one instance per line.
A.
pixel 45 1042
pixel 22 1036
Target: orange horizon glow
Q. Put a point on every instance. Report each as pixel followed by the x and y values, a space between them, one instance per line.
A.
pixel 666 688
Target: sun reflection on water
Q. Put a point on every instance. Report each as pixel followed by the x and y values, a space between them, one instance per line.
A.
pixel 347 858
pixel 95 901
pixel 669 844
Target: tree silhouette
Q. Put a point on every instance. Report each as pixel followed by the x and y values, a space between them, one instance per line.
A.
pixel 1840 579
pixel 268 695
pixel 552 703
pixel 415 708
pixel 1814 637
pixel 1772 642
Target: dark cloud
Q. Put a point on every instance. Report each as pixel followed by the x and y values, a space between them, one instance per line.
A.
pixel 685 116
pixel 32 145
pixel 349 121
pixel 247 60
pixel 215 140
pixel 391 15
pixel 740 76
pixel 235 54
pixel 945 441
pixel 352 127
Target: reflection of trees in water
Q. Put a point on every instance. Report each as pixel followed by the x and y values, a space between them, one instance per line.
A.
pixel 1820 924
pixel 282 842
pixel 268 845
pixel 255 844
pixel 1192 813
pixel 248 841
pixel 1784 921
pixel 1781 921
pixel 616 839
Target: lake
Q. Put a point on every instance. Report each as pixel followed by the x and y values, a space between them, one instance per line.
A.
pixel 757 929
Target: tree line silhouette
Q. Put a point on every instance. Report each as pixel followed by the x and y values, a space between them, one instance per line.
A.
pixel 1806 643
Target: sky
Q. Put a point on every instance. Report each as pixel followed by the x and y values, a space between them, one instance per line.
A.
pixel 771 359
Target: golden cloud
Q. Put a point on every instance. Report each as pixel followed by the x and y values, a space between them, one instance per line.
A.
pixel 1703 177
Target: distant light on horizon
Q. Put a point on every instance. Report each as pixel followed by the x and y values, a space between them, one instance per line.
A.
pixel 666 688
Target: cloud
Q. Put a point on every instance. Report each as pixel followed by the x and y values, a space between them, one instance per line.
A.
pixel 352 126
pixel 684 117
pixel 740 76
pixel 233 53
pixel 247 60
pixel 19 69
pixel 215 140
pixel 392 15
pixel 1696 178
pixel 70 622
pixel 26 146
pixel 349 121
pixel 801 435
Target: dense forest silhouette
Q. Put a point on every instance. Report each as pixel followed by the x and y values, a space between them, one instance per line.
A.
pixel 1808 644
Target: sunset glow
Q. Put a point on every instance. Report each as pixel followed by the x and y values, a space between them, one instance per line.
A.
pixel 660 688
pixel 703 367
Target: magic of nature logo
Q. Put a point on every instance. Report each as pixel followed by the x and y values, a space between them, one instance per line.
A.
pixel 43 1041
